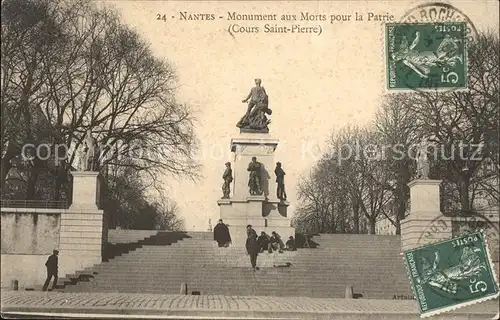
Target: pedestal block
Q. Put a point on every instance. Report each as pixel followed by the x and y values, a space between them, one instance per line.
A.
pixel 244 148
pixel 82 226
pixel 265 212
pixel 425 198
pixel 85 190
pixel 419 232
pixel 425 224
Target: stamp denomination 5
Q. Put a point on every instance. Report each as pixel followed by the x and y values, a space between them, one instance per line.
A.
pixel 426 55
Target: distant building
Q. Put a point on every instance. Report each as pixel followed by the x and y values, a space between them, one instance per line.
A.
pixel 384 226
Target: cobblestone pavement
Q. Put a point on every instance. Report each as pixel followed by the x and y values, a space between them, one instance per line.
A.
pixel 203 306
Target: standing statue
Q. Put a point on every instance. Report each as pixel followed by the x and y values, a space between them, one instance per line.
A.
pixel 228 178
pixel 255 179
pixel 422 160
pixel 280 180
pixel 255 118
pixel 90 156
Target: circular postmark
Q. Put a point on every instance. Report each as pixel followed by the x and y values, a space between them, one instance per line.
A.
pixel 462 223
pixel 454 274
pixel 428 48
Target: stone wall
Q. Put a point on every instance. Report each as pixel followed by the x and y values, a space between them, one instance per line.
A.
pixel 30 232
pixel 29 235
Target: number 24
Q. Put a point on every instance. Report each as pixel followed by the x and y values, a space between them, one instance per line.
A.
pixel 161 17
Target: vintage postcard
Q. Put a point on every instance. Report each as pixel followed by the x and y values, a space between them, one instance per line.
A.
pixel 249 159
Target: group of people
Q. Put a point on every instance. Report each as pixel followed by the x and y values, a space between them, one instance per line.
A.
pixel 254 244
pixel 274 243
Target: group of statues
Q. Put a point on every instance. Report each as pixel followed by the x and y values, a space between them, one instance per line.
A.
pixel 255 180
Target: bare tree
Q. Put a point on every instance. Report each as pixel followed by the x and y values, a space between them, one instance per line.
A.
pixel 348 182
pixel 97 74
pixel 398 132
pixel 463 123
pixel 29 35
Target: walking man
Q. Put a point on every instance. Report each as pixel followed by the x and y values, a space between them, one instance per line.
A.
pixel 52 265
pixel 252 246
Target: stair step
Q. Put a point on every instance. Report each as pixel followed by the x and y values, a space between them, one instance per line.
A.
pixel 160 261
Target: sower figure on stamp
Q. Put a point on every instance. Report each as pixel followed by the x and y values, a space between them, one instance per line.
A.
pixel 255 179
pixel 52 265
pixel 280 180
pixel 228 178
pixel 422 160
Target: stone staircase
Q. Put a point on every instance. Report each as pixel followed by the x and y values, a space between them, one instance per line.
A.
pixel 163 261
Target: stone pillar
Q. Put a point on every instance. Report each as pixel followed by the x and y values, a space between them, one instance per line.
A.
pixel 265 213
pixel 425 224
pixel 82 226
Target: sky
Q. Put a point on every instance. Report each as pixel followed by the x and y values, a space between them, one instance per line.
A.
pixel 316 83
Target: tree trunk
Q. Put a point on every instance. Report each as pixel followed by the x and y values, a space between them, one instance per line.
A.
pixel 6 165
pixel 355 209
pixel 32 180
pixel 398 224
pixel 372 226
pixel 464 194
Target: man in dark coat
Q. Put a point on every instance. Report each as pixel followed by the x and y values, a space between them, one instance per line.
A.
pixel 52 265
pixel 252 246
pixel 221 234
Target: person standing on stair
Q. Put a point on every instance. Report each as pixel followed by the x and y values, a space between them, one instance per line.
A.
pixel 52 265
pixel 221 234
pixel 252 246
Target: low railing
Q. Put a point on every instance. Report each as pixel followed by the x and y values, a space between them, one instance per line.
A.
pixel 47 204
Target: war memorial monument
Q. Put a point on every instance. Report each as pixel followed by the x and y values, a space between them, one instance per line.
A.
pixel 254 199
pixel 436 265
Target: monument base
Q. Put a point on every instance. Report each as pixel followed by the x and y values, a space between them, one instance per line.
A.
pixel 264 212
pixel 425 224
pixel 261 214
pixel 417 232
pixel 85 190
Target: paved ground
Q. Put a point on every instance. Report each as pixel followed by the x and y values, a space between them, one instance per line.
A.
pixel 120 305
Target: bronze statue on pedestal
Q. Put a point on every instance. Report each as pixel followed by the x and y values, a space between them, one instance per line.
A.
pixel 255 119
pixel 255 177
pixel 228 178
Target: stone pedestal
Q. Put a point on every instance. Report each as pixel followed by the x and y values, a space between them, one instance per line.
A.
pixel 82 226
pixel 425 224
pixel 85 190
pixel 265 213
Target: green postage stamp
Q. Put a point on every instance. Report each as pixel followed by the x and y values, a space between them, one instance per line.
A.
pixel 423 56
pixel 451 274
